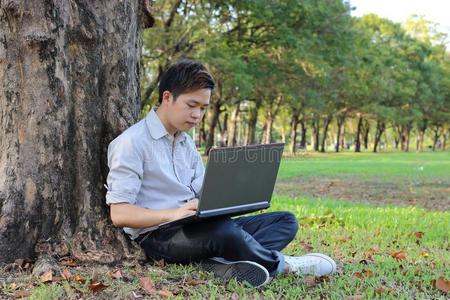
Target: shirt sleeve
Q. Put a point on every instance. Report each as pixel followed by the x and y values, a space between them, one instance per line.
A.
pixel 125 163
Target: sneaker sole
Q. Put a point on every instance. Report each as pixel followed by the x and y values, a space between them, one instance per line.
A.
pixel 247 271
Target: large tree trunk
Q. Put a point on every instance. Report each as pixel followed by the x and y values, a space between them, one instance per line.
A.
pixel 340 124
pixel 232 126
pixel 422 127
pixel 326 123
pixel 212 125
pixel 378 133
pixel 252 120
pixel 303 134
pixel 294 125
pixel 316 131
pixel 366 132
pixel 358 133
pixel 436 136
pixel 69 75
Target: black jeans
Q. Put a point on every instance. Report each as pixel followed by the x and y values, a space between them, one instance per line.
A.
pixel 257 238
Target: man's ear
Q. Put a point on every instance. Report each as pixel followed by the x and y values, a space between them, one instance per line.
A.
pixel 167 97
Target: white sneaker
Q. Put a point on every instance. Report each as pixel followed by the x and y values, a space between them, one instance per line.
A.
pixel 311 264
pixel 244 270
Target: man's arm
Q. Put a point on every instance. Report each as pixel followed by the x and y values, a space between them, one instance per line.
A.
pixel 129 215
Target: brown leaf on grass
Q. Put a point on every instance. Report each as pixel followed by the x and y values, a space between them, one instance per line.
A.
pixel 147 284
pixel 383 290
pixel 116 274
pixel 79 279
pixel 22 294
pixel 195 282
pixel 310 281
pixel 160 263
pixel 65 273
pixel 94 276
pixel 165 293
pixel 441 284
pixel 370 253
pixel 68 262
pixel 47 276
pixel 355 297
pixel 419 235
pixel 97 286
pixel 364 273
pixel 57 278
pixel 424 254
pixel 399 255
pixel 344 239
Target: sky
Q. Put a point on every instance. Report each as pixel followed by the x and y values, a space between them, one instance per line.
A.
pixel 437 11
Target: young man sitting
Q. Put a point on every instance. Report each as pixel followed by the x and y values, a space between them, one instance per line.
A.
pixel 155 176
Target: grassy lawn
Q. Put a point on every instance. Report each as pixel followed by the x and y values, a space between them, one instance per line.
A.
pixel 382 251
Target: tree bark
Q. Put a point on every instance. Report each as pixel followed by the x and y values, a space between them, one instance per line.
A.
pixel 366 134
pixel 422 127
pixel 326 123
pixel 303 134
pixel 316 132
pixel 436 136
pixel 358 133
pixel 232 126
pixel 340 124
pixel 378 133
pixel 253 118
pixel 212 125
pixel 294 125
pixel 69 72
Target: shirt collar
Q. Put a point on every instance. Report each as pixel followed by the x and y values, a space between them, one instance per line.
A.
pixel 157 129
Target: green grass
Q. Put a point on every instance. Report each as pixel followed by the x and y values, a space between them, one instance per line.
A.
pixel 346 231
pixel 360 236
pixel 369 165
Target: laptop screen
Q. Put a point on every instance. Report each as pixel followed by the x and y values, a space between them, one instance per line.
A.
pixel 240 176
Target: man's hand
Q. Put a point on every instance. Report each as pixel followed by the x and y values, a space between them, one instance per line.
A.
pixel 186 210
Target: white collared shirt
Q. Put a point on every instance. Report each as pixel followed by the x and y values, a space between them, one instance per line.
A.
pixel 151 169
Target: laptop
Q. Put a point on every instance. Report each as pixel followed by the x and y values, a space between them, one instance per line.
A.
pixel 237 180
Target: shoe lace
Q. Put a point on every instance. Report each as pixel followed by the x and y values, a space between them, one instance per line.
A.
pixel 302 264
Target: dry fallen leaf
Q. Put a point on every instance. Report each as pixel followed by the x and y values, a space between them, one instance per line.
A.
pixel 399 255
pixel 22 294
pixel 68 262
pixel 116 274
pixel 57 278
pixel 160 263
pixel 79 279
pixel 97 286
pixel 310 281
pixel 94 276
pixel 370 253
pixel 355 297
pixel 383 290
pixel 195 282
pixel 344 239
pixel 424 254
pixel 47 276
pixel 442 284
pixel 419 234
pixel 66 274
pixel 147 284
pixel 165 293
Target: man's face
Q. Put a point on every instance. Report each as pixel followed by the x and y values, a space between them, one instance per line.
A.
pixel 188 109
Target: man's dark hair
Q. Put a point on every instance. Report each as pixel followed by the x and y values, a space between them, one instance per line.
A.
pixel 183 77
